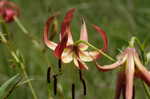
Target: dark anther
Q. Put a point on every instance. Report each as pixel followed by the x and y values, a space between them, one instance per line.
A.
pixel 59 64
pixel 80 74
pixel 83 82
pixel 133 97
pixel 73 91
pixel 55 84
pixel 49 75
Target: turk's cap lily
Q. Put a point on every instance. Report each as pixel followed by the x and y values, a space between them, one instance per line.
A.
pixel 67 50
pixel 8 10
pixel 65 34
pixel 58 48
pixel 131 67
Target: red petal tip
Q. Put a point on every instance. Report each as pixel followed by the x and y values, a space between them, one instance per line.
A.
pixel 103 34
pixel 67 21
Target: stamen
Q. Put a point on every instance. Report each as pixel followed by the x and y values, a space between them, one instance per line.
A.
pixel 73 91
pixel 59 65
pixel 49 75
pixel 133 97
pixel 83 82
pixel 55 84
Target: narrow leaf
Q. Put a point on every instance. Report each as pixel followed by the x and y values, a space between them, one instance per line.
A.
pixel 4 87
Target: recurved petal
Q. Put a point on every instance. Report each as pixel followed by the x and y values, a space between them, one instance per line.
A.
pixel 142 72
pixel 129 73
pixel 64 33
pixel 47 42
pixel 67 55
pixel 66 22
pixel 61 46
pixel 111 66
pixel 79 63
pixel 103 35
pixel 83 35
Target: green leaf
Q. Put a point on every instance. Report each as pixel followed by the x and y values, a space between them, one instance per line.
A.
pixel 4 87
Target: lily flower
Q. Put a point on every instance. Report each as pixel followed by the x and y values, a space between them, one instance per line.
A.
pixel 131 68
pixel 8 10
pixel 66 49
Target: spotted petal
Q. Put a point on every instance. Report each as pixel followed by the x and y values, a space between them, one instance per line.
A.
pixel 47 42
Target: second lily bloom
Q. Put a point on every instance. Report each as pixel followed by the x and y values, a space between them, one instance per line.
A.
pixel 8 10
pixel 131 67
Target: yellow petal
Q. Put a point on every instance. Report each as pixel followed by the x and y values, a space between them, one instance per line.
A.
pixel 85 56
pixel 67 55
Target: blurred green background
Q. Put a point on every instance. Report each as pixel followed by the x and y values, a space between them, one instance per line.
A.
pixel 121 19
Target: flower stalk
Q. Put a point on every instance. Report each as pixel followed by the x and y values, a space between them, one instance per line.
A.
pixel 22 65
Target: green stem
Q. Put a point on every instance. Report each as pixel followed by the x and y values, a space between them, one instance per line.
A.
pixel 24 30
pixel 3 38
pixel 29 83
pixel 24 73
pixel 131 42
pixel 18 61
pixel 3 25
pixel 81 41
pixel 49 91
